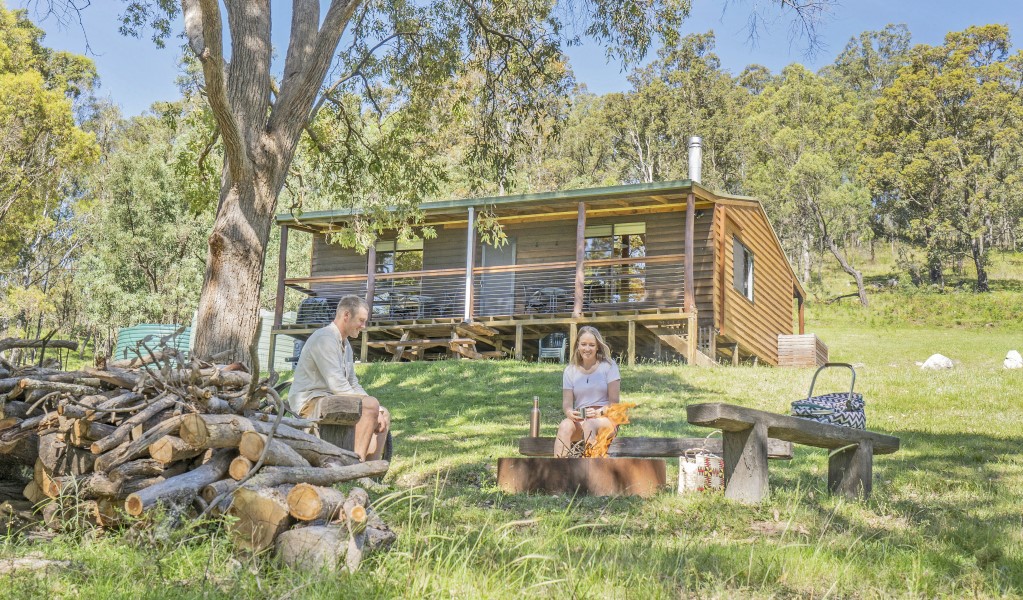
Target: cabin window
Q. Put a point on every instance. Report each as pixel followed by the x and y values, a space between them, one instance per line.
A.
pixel 742 269
pixel 608 282
pixel 398 257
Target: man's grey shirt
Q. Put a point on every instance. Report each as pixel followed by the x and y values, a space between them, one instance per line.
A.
pixel 325 367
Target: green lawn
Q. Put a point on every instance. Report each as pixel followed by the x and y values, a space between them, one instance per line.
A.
pixel 944 519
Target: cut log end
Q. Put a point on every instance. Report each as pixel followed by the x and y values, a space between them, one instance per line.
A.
pixel 240 467
pixel 133 505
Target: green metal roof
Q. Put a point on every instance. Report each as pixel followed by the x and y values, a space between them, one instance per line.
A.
pixel 572 195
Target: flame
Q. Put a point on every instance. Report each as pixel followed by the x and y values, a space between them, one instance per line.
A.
pixel 619 415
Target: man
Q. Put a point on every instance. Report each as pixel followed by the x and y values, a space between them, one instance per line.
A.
pixel 326 367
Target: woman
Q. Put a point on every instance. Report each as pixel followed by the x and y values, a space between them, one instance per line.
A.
pixel 590 384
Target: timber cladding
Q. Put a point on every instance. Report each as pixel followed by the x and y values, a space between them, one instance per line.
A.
pixel 754 325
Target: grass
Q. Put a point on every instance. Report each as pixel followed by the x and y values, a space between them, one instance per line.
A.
pixel 944 519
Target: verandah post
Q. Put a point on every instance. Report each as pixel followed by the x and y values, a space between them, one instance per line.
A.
pixel 689 291
pixel 470 260
pixel 282 273
pixel 371 277
pixel 580 256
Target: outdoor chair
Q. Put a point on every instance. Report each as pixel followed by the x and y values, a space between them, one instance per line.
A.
pixel 554 345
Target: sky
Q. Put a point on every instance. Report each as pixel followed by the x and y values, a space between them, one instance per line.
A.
pixel 134 73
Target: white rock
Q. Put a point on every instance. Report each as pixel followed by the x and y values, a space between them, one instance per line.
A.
pixel 937 362
pixel 1013 360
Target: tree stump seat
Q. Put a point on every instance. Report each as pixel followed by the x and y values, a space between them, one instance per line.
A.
pixel 746 431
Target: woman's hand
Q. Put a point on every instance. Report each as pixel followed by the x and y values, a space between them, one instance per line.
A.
pixel 574 415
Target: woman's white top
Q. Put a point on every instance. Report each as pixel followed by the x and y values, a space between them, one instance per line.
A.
pixel 590 389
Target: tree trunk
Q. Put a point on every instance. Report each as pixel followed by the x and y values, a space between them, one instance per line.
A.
pixel 978 260
pixel 856 275
pixel 806 260
pixel 229 304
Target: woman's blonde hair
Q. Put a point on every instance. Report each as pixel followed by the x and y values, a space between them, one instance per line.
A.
pixel 603 350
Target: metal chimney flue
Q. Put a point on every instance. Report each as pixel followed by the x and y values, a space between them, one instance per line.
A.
pixel 695 158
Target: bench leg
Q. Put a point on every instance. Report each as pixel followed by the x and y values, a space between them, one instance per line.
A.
pixel 746 464
pixel 850 471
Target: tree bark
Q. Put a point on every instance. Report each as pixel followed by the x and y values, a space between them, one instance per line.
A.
pixel 977 249
pixel 259 146
pixel 182 488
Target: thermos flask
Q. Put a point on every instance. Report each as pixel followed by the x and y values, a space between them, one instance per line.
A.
pixel 534 418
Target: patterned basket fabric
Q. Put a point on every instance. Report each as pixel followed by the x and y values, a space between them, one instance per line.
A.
pixel 834 409
pixel 700 471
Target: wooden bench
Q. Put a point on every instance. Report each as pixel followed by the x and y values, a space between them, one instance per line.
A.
pixel 652 447
pixel 746 431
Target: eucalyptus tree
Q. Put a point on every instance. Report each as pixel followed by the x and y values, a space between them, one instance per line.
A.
pixel 805 135
pixel 684 92
pixel 946 147
pixel 43 155
pixel 145 239
pixel 416 48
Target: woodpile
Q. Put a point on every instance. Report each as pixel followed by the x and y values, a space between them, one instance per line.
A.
pixel 194 439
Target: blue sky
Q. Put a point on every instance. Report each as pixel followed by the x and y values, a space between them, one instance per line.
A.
pixel 135 73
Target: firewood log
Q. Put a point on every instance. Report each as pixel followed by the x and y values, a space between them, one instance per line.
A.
pixel 143 467
pixel 118 377
pixel 135 449
pixel 324 547
pixel 52 449
pixel 76 461
pixel 230 379
pixel 89 486
pixel 8 422
pixel 313 503
pixel 354 509
pixel 293 422
pixel 27 385
pixel 85 432
pixel 219 489
pixel 275 476
pixel 225 431
pixel 79 408
pixel 123 400
pixel 33 493
pixel 240 467
pixel 279 454
pixel 21 451
pixel 260 516
pixel 13 408
pixel 123 431
pixel 51 515
pixel 182 488
pixel 171 448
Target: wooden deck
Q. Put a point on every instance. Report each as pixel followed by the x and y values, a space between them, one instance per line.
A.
pixel 653 333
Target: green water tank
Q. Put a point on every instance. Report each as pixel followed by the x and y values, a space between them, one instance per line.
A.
pixel 128 338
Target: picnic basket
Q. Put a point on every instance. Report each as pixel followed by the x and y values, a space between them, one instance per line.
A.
pixel 840 408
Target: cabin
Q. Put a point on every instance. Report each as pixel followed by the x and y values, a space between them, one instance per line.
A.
pixel 666 271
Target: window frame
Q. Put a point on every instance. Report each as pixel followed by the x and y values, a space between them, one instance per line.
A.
pixel 617 279
pixel 743 270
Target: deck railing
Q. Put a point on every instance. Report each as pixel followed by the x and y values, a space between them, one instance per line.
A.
pixel 608 284
pixel 542 288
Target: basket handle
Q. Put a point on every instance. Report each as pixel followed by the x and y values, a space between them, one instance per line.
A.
pixel 833 364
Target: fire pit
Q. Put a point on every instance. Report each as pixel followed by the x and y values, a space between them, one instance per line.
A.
pixel 592 476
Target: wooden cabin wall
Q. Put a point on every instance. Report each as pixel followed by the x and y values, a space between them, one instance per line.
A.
pixel 755 325
pixel 703 263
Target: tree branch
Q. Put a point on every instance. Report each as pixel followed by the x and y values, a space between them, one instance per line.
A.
pixel 203 28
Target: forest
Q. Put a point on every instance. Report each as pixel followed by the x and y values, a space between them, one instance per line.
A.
pixel 906 149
